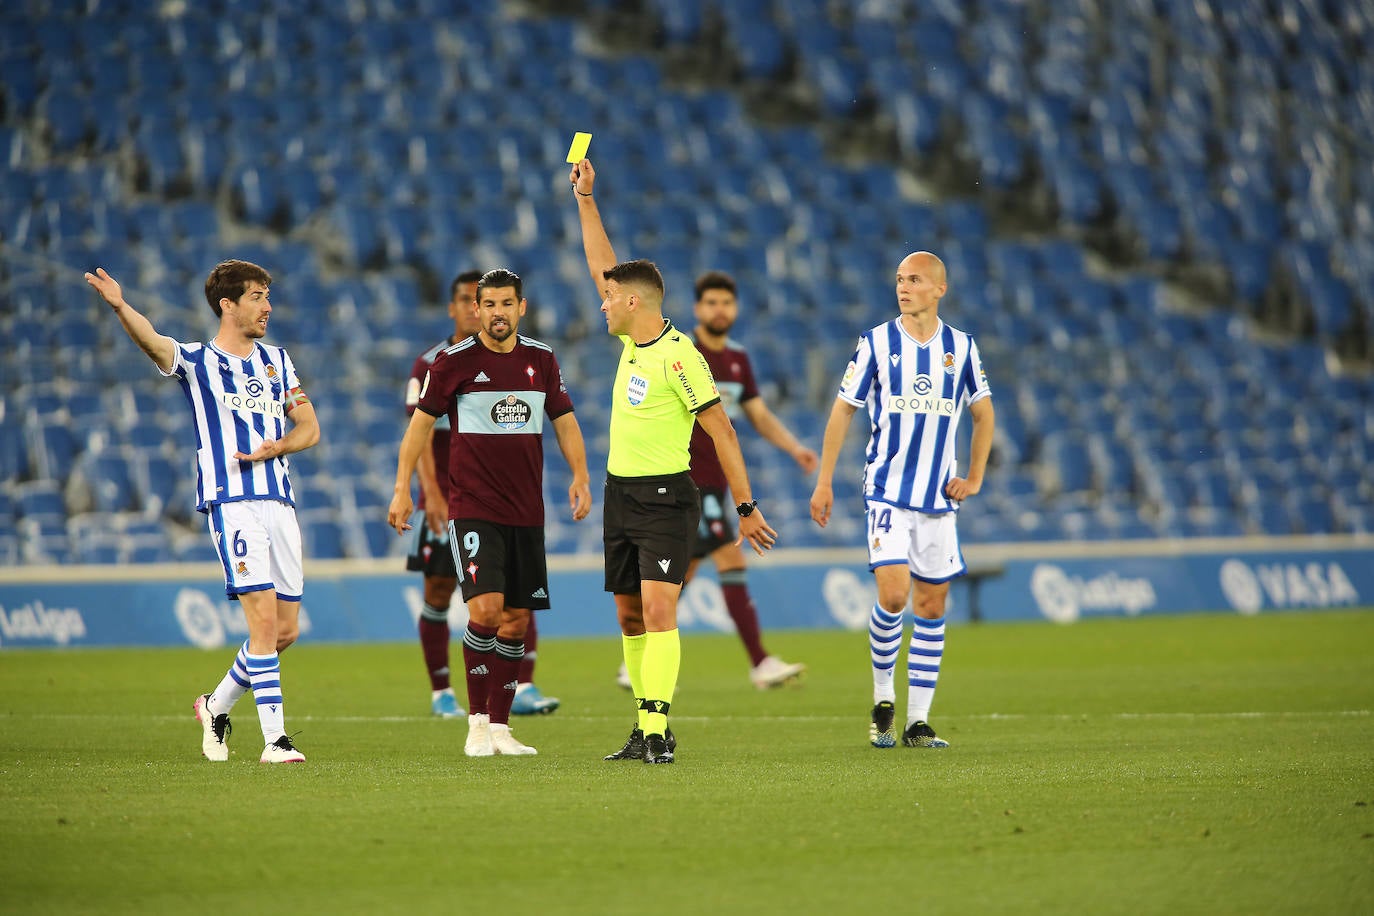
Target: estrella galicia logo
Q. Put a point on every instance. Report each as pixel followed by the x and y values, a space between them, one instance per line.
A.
pixel 511 413
pixel 637 390
pixel 254 387
pixel 922 385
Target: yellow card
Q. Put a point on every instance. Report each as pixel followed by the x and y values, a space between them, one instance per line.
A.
pixel 578 151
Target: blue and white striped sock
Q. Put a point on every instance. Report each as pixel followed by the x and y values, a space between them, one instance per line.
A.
pixel 884 642
pixel 264 672
pixel 234 685
pixel 923 667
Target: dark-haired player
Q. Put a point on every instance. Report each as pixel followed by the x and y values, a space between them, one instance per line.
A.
pixel 241 392
pixel 662 388
pixel 496 388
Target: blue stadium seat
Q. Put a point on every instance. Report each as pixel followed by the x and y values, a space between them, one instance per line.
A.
pixel 68 120
pixel 1063 107
pixel 321 539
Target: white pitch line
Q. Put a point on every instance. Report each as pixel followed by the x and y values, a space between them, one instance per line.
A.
pixel 991 716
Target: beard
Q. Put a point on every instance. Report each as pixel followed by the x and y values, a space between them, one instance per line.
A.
pixel 499 332
pixel 718 326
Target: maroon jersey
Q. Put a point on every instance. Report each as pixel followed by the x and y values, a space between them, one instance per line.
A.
pixel 496 404
pixel 735 379
pixel 440 443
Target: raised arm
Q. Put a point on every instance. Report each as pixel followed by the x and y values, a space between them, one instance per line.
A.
pixel 753 526
pixel 823 497
pixel 415 441
pixel 160 348
pixel 595 244
pixel 776 432
pixel 574 450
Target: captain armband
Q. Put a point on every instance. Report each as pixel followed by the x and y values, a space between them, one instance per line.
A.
pixel 295 398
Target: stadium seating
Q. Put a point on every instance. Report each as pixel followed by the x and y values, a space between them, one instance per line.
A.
pixel 1173 306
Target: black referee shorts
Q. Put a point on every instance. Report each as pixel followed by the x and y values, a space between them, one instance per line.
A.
pixel 650 524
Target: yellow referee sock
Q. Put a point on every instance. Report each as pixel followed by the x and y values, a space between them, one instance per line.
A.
pixel 662 658
pixel 633 647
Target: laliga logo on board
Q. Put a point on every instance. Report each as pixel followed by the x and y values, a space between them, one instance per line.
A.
pixel 703 602
pixel 1063 598
pixel 849 598
pixel 1285 585
pixel 206 624
pixel 34 621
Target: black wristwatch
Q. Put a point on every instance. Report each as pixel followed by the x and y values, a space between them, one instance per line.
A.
pixel 747 509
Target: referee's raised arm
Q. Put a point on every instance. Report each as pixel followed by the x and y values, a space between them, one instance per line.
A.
pixel 595 244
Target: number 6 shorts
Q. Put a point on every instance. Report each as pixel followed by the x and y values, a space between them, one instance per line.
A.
pixel 259 547
pixel 927 543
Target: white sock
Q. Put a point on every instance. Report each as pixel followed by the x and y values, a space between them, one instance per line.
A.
pixel 234 685
pixel 884 642
pixel 923 667
pixel 264 672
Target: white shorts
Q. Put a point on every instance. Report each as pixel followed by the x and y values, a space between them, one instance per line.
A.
pixel 927 543
pixel 259 546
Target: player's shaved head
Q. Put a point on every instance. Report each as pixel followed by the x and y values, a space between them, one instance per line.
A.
pixel 925 263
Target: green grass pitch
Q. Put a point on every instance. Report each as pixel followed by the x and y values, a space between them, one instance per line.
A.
pixel 1200 764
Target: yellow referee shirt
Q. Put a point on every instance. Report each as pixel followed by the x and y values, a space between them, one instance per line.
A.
pixel 660 387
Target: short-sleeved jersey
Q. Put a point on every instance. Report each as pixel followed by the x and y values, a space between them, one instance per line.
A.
pixel 496 404
pixel 734 376
pixel 440 442
pixel 236 403
pixel 659 389
pixel 915 393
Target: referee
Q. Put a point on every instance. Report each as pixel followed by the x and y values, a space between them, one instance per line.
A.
pixel 662 387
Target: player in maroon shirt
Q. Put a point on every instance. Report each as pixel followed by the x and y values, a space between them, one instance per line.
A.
pixel 430 552
pixel 716 310
pixel 496 389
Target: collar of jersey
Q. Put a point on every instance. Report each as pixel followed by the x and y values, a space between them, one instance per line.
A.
pixel 939 326
pixel 667 326
pixel 227 355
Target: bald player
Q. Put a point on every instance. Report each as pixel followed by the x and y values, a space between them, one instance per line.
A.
pixel 915 374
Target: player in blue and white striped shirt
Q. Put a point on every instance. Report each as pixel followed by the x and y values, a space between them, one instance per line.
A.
pixel 915 374
pixel 241 393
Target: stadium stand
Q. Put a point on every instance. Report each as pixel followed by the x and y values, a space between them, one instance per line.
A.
pixel 1153 212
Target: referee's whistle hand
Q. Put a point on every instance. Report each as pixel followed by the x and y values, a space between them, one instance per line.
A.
pixel 756 531
pixel 398 514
